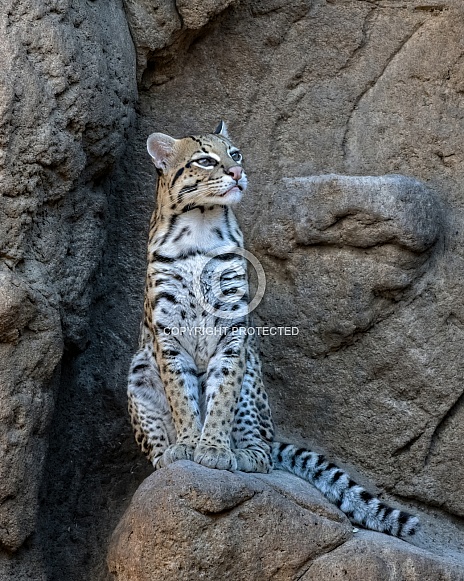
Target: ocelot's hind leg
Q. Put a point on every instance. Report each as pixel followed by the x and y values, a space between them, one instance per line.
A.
pixel 148 407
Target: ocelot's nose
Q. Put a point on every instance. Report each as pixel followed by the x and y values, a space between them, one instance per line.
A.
pixel 235 172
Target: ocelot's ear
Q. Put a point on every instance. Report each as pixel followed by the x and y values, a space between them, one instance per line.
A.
pixel 161 147
pixel 221 129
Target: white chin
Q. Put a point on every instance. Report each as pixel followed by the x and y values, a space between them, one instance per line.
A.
pixel 232 196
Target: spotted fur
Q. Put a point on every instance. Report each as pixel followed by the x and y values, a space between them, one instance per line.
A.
pixel 200 396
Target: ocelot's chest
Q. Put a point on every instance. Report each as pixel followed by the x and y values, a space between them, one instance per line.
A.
pixel 193 298
pixel 196 280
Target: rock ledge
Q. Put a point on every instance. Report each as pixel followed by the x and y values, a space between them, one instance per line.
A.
pixel 188 522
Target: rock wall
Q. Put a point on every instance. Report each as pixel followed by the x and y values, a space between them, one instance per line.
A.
pixel 68 92
pixel 315 92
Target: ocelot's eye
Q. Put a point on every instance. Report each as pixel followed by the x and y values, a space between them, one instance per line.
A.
pixel 236 156
pixel 206 162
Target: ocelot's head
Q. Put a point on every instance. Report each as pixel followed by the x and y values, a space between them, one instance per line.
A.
pixel 197 170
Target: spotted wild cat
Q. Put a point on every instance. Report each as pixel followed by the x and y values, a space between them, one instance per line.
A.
pixel 200 396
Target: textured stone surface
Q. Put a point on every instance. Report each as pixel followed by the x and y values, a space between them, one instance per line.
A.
pixel 67 86
pixel 377 231
pixel 380 559
pixel 309 88
pixel 30 349
pixel 166 28
pixel 188 522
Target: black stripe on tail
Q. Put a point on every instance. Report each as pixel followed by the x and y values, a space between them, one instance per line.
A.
pixel 357 503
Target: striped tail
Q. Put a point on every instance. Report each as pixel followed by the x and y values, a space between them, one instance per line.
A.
pixel 359 505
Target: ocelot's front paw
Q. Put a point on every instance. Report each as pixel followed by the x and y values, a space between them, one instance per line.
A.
pixel 215 456
pixel 176 452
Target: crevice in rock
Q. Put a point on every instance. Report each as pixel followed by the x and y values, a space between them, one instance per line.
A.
pixel 371 84
pixel 407 446
pixel 441 426
pixel 365 33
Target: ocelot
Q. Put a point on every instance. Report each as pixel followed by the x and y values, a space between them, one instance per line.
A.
pixel 200 395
